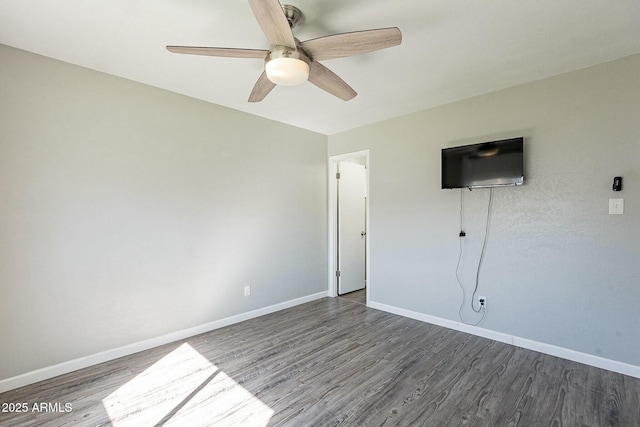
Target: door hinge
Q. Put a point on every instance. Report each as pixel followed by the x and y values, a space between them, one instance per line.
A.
pixel 337 273
pixel 337 175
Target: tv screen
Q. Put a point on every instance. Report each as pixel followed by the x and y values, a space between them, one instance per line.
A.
pixel 489 164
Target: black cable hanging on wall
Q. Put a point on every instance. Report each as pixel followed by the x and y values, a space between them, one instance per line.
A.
pixel 481 309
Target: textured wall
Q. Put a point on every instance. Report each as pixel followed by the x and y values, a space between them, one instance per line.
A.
pixel 558 269
pixel 128 212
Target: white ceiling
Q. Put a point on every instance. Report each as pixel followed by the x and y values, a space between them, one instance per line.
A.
pixel 451 49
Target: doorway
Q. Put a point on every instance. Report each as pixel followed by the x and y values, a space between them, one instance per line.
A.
pixel 349 236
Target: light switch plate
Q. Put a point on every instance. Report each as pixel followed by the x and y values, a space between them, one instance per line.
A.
pixel 616 206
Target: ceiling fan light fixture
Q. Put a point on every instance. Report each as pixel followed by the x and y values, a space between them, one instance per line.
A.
pixel 286 67
pixel 287 71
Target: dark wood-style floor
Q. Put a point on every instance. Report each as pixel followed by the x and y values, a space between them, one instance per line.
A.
pixel 356 296
pixel 332 362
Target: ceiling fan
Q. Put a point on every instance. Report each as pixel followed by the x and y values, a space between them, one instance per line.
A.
pixel 290 62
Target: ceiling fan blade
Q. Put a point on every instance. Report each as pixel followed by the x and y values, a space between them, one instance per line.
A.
pixel 273 22
pixel 219 51
pixel 350 44
pixel 261 89
pixel 327 80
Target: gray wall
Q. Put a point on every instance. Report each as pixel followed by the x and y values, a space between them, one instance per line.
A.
pixel 558 269
pixel 128 212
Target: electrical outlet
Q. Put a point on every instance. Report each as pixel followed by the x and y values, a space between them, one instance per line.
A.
pixel 482 302
pixel 247 291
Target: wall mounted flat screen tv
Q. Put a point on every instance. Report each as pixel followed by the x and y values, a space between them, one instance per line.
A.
pixel 489 164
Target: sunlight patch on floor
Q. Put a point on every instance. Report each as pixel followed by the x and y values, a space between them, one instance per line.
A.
pixel 184 388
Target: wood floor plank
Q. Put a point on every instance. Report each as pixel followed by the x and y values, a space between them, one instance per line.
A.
pixel 334 362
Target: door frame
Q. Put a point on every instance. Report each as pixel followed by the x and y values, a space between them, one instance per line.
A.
pixel 332 214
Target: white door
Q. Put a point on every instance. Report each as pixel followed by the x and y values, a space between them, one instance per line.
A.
pixel 351 227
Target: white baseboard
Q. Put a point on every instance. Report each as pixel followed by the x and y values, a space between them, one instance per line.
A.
pixel 564 353
pixel 105 356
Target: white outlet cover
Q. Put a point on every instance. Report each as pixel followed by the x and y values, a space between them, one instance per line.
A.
pixel 616 206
